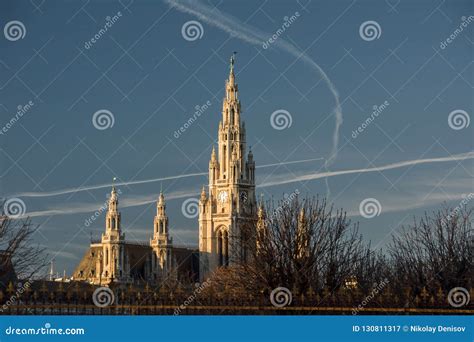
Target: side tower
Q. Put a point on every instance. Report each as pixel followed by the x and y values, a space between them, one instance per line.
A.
pixel 161 243
pixel 230 204
pixel 113 259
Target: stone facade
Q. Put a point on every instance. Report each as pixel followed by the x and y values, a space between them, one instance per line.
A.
pixel 113 259
pixel 225 208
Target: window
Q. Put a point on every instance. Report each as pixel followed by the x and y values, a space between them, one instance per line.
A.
pixel 226 248
pixel 223 248
pixel 219 248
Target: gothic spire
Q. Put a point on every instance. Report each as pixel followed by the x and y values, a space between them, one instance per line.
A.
pixel 213 155
pixel 231 87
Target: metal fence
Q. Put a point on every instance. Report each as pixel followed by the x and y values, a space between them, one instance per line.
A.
pixel 73 299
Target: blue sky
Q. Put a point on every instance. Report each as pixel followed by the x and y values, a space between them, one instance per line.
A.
pixel 144 72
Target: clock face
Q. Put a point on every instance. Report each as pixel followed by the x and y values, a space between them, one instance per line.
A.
pixel 222 196
pixel 244 196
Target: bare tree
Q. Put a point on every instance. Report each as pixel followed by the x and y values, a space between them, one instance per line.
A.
pixel 18 249
pixel 434 252
pixel 301 244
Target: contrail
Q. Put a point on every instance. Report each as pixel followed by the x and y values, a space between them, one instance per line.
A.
pixel 125 203
pixel 144 181
pixel 133 202
pixel 312 176
pixel 255 36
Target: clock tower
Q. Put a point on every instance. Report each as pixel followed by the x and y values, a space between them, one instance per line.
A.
pixel 230 203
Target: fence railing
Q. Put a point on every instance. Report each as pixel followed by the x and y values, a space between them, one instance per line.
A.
pixel 72 299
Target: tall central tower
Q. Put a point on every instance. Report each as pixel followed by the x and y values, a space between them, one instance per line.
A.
pixel 230 202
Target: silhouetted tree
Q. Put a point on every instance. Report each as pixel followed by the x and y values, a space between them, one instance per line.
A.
pixel 301 244
pixel 17 248
pixel 436 251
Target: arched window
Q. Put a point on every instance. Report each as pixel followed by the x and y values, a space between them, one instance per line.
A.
pixel 224 156
pixel 219 248
pixel 223 247
pixel 226 248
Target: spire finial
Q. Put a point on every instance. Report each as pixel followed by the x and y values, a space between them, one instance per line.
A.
pixel 232 61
